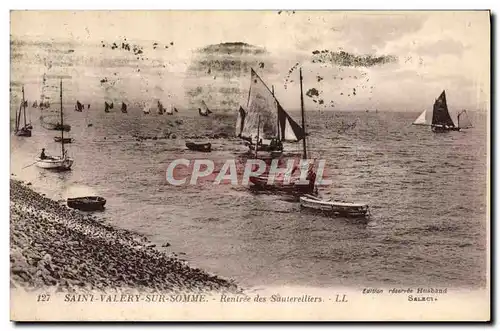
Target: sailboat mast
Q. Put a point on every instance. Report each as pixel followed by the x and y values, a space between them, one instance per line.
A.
pixel 277 112
pixel 24 108
pixel 257 144
pixel 62 122
pixel 303 117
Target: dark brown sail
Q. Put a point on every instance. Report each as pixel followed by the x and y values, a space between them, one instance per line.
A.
pixel 440 115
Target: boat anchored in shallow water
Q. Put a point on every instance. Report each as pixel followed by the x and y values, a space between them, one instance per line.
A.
pixel 58 163
pixel 334 208
pixel 90 203
pixel 199 147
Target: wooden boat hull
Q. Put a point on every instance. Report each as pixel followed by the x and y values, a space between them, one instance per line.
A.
pixel 56 126
pixel 55 163
pixel 66 140
pixel 24 132
pixel 205 147
pixel 440 129
pixel 334 208
pixel 90 203
pixel 261 183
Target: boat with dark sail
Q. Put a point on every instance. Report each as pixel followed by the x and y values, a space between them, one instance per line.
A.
pixel 58 163
pixel 204 110
pixel 161 109
pixel 289 183
pixel 79 106
pixel 199 147
pixel 440 120
pixel 25 130
pixel 276 125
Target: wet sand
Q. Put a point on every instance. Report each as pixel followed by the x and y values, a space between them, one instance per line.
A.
pixel 54 246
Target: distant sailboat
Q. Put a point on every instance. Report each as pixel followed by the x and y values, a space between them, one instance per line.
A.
pixel 59 163
pixel 204 111
pixel 161 109
pixel 79 107
pixel 24 131
pixel 147 108
pixel 425 118
pixel 463 120
pixel 170 110
pixel 440 120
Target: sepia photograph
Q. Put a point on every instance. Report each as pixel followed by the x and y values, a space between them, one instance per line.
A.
pixel 259 165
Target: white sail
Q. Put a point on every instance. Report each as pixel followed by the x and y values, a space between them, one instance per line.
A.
pixel 425 118
pixel 170 110
pixel 147 107
pixel 261 105
pixel 463 120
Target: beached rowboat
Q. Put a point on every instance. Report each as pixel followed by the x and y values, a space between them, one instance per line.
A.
pixel 66 140
pixel 90 203
pixel 336 208
pixel 199 147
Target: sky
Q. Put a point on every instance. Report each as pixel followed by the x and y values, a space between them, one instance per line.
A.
pixel 435 51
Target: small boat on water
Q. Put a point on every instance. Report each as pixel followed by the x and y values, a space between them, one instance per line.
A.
pixel 334 208
pixel 24 131
pixel 287 130
pixel 54 126
pixel 90 203
pixel 79 106
pixel 440 120
pixel 204 110
pixel 199 147
pixel 57 163
pixel 66 140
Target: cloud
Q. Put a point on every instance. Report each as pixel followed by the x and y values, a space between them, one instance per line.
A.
pixel 440 47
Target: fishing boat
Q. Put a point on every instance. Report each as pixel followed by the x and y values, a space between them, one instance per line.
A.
pixel 440 120
pixel 204 111
pixel 288 183
pixel 463 120
pixel 124 107
pixel 25 130
pixel 170 111
pixel 276 125
pixel 333 208
pixel 161 109
pixel 79 107
pixel 199 147
pixel 58 163
pixel 147 108
pixel 90 203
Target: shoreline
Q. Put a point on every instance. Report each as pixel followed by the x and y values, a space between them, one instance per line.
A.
pixel 54 246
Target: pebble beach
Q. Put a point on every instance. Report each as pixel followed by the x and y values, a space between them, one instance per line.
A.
pixel 54 246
